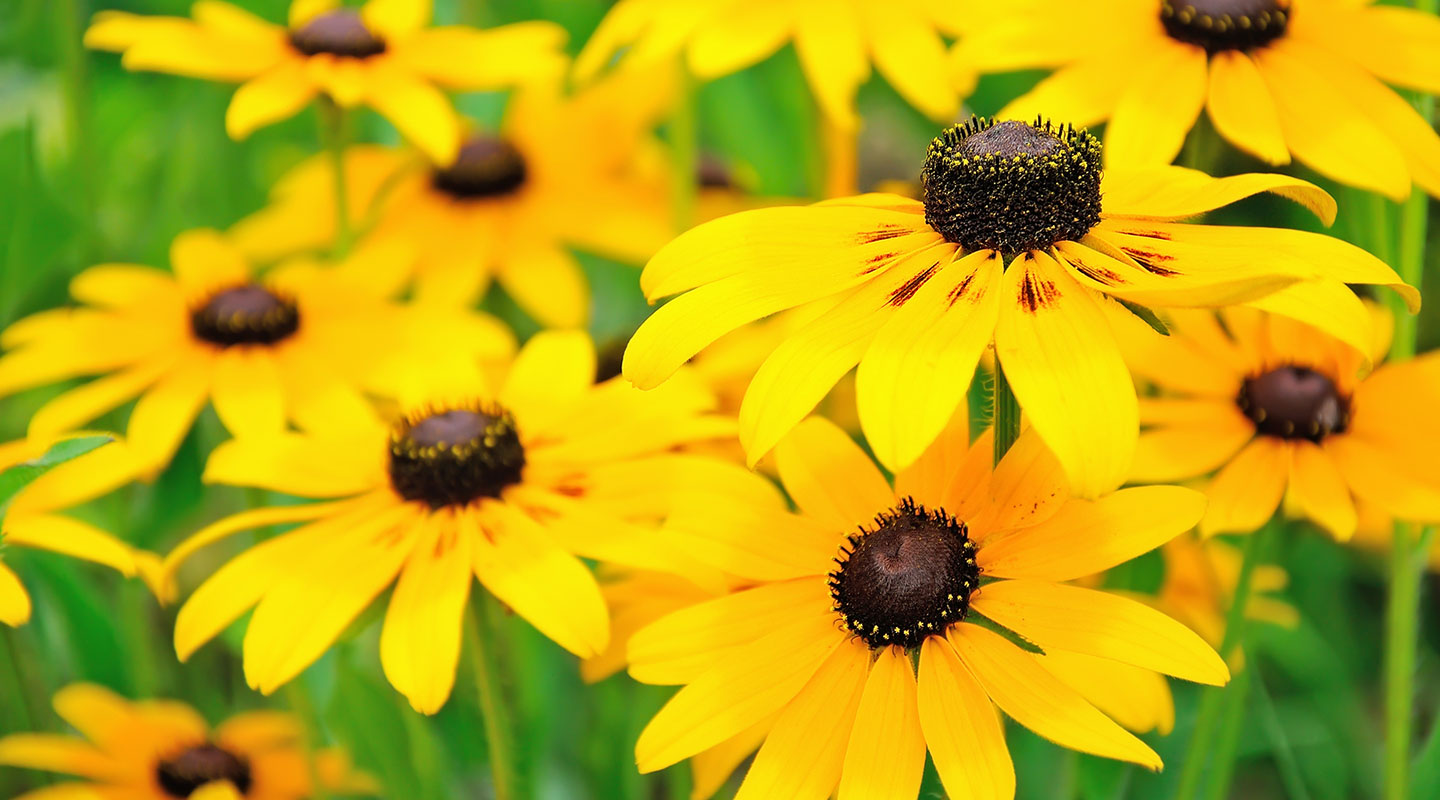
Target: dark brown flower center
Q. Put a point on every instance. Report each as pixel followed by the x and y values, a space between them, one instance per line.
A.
pixel 1225 24
pixel 247 314
pixel 908 577
pixel 487 166
pixel 340 33
pixel 456 456
pixel 1294 403
pixel 182 774
pixel 1012 186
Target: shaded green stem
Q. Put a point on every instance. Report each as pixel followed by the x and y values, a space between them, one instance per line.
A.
pixel 684 150
pixel 1227 740
pixel 299 700
pixel 1005 411
pixel 334 134
pixel 481 635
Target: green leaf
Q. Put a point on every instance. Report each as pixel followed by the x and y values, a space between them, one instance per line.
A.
pixel 1011 636
pixel 1146 316
pixel 23 474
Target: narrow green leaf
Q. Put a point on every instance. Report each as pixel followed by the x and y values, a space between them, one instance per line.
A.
pixel 1146 316
pixel 23 474
pixel 1011 636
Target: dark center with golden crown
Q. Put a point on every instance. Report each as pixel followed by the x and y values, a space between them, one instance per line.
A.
pixel 1225 24
pixel 456 456
pixel 1012 186
pixel 909 576
pixel 340 33
pixel 1294 402
pixel 182 774
pixel 487 166
pixel 246 314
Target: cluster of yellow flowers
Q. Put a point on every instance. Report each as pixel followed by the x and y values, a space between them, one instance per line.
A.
pixel 870 612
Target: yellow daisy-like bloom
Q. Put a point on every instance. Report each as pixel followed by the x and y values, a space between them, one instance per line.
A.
pixel 1200 579
pixel 1279 412
pixel 561 173
pixel 382 55
pixel 509 487
pixel 1017 241
pixel 1279 79
pixel 164 750
pixel 33 521
pixel 836 43
pixel 301 343
pixel 816 659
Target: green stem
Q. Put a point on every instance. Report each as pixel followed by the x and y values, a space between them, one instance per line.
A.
pixel 299 700
pixel 481 629
pixel 1227 741
pixel 1285 762
pixel 14 683
pixel 334 134
pixel 1005 410
pixel 684 150
pixel 1202 742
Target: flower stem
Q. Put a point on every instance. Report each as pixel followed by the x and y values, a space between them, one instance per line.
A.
pixel 481 635
pixel 299 701
pixel 1005 411
pixel 684 150
pixel 334 133
pixel 1202 740
pixel 1227 741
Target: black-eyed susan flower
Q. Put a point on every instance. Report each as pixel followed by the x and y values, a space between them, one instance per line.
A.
pixel 1280 79
pixel 33 519
pixel 300 343
pixel 164 750
pixel 383 55
pixel 1277 411
pixel 837 43
pixel 1017 241
pixel 510 487
pixel 963 566
pixel 563 172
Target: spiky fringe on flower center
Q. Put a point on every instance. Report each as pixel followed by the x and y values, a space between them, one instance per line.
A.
pixel 1294 402
pixel 184 773
pixel 908 577
pixel 1225 24
pixel 1012 187
pixel 487 166
pixel 455 456
pixel 246 314
pixel 340 33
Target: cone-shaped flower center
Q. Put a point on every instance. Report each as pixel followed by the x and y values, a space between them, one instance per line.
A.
pixel 1294 403
pixel 1010 186
pixel 247 314
pixel 339 33
pixel 190 769
pixel 487 166
pixel 456 456
pixel 908 577
pixel 1225 24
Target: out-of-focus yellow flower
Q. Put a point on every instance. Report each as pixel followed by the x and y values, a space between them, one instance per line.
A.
pixel 1278 411
pixel 511 487
pixel 163 749
pixel 33 521
pixel 1200 578
pixel 817 658
pixel 302 343
pixel 382 55
pixel 1017 243
pixel 837 42
pixel 1279 79
pixel 562 172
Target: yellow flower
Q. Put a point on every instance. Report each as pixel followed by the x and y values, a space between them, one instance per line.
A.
pixel 1279 79
pixel 32 520
pixel 816 659
pixel 836 42
pixel 300 344
pixel 382 55
pixel 1281 412
pixel 561 173
pixel 1200 578
pixel 163 749
pixel 918 290
pixel 510 487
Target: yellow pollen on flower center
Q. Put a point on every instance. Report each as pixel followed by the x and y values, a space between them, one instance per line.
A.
pixel 1225 24
pixel 451 457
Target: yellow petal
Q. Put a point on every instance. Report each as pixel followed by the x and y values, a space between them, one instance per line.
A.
pixel 420 643
pixel 830 477
pixel 396 19
pixel 961 727
pixel 812 730
pixel 1242 109
pixel 278 93
pixel 1103 266
pixel 1190 451
pixel 247 393
pixel 217 790
pixel 99 714
pixel 1158 108
pixel 1081 93
pixel 421 112
pixel 720 532
pixel 831 47
pixel 1027 487
pixel 1100 624
pixel 1060 357
pixel 916 370
pixel 1040 702
pixel 549 285
pixel 1245 494
pixel 14 600
pixel 1136 698
pixel 84 403
pixel 1373 474
pixel 550 374
pixel 1088 536
pixel 1318 487
pixel 304 465
pixel 732 41
pixel 885 758
pixel 909 53
pixel 463 58
pixel 55 753
pixel 163 415
pixel 121 285
pixel 1170 193
pixel 713 768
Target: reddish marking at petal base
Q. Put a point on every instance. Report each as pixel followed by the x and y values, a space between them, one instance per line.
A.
pixel 888 230
pixel 901 296
pixel 1036 293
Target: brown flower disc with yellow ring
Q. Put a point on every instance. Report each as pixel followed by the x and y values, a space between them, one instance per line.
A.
pixel 247 314
pixel 455 456
pixel 182 774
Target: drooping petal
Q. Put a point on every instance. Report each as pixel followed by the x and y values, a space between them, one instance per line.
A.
pixel 420 643
pixel 278 93
pixel 548 377
pixel 60 534
pixel 1318 488
pixel 885 758
pixel 831 46
pixel 1158 108
pixel 830 477
pixel 14 600
pixel 1171 193
pixel 961 727
pixel 1247 491
pixel 247 393
pixel 1242 109
pixel 1136 698
pixel 732 41
pixel 421 112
